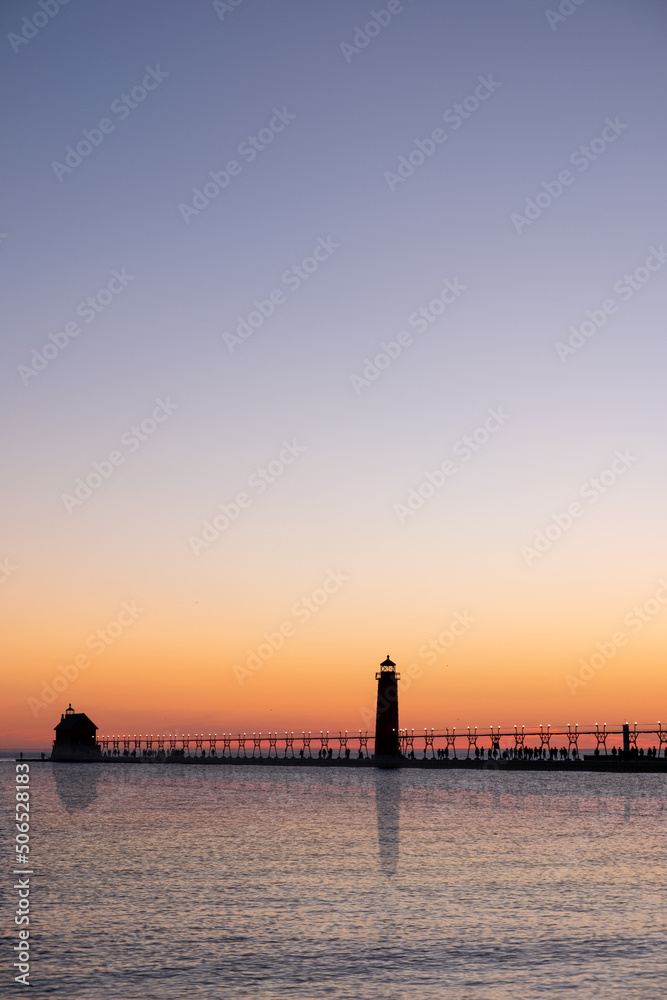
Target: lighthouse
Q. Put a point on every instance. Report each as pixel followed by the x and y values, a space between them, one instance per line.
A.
pixel 386 718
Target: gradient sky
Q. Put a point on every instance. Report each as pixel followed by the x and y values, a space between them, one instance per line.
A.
pixel 180 665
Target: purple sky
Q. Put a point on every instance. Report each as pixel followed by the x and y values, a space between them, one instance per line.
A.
pixel 497 167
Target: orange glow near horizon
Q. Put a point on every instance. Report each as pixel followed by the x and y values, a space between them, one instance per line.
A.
pixel 161 676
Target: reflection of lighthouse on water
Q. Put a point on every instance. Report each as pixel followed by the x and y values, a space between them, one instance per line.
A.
pixel 388 807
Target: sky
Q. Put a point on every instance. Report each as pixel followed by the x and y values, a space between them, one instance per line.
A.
pixel 332 331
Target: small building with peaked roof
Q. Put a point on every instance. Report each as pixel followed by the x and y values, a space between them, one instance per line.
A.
pixel 75 737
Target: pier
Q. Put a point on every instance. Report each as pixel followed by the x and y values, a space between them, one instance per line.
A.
pixel 516 748
pixel 494 743
pixel 567 747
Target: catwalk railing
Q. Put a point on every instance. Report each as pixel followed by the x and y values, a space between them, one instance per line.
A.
pixel 440 744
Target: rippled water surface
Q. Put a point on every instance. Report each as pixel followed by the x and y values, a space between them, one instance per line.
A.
pixel 172 881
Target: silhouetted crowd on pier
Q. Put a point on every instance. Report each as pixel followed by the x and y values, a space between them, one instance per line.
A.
pixel 512 753
pixel 437 753
pixel 541 753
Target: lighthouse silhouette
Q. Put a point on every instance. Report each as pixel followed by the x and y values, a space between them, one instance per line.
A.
pixel 386 717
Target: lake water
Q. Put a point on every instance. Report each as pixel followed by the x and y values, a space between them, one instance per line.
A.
pixel 164 881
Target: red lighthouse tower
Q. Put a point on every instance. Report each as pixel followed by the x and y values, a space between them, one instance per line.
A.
pixel 386 717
